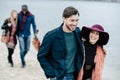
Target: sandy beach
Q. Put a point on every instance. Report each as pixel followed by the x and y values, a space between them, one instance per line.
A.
pixel 32 71
pixel 48 15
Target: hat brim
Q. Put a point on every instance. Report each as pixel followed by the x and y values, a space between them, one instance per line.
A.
pixel 103 39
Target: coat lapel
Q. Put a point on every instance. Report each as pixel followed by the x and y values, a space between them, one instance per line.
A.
pixel 61 38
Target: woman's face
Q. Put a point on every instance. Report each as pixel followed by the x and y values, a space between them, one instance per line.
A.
pixel 93 37
pixel 14 14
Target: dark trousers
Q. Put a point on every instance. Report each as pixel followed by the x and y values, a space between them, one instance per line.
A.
pixel 10 52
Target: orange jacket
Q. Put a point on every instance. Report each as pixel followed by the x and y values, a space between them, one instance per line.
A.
pixel 99 61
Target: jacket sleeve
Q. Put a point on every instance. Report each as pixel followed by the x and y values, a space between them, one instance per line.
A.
pixel 4 26
pixel 42 56
pixel 34 25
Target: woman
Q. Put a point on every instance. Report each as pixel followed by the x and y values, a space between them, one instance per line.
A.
pixel 10 27
pixel 95 38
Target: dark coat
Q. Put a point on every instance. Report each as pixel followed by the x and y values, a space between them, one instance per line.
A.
pixel 52 53
pixel 5 26
pixel 9 29
pixel 29 20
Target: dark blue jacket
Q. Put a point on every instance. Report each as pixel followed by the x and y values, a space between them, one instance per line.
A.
pixel 26 31
pixel 52 53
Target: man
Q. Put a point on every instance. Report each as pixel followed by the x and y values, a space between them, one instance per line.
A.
pixel 25 19
pixel 61 52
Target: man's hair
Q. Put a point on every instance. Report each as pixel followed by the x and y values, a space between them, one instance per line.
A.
pixel 24 7
pixel 69 11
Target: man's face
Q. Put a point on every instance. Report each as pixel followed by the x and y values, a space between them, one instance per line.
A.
pixel 24 10
pixel 71 22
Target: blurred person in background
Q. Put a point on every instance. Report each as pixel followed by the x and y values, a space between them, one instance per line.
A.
pixel 25 19
pixel 10 28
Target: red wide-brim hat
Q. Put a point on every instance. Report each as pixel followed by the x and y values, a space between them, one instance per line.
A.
pixel 103 36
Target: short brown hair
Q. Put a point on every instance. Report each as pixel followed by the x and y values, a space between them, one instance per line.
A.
pixel 69 11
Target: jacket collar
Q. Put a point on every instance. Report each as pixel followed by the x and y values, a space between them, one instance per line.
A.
pixel 60 33
pixel 61 38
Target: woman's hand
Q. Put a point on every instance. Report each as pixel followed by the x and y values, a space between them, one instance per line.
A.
pixel 9 24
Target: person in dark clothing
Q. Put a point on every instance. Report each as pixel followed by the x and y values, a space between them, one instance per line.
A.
pixel 25 19
pixel 95 37
pixel 61 52
pixel 9 27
